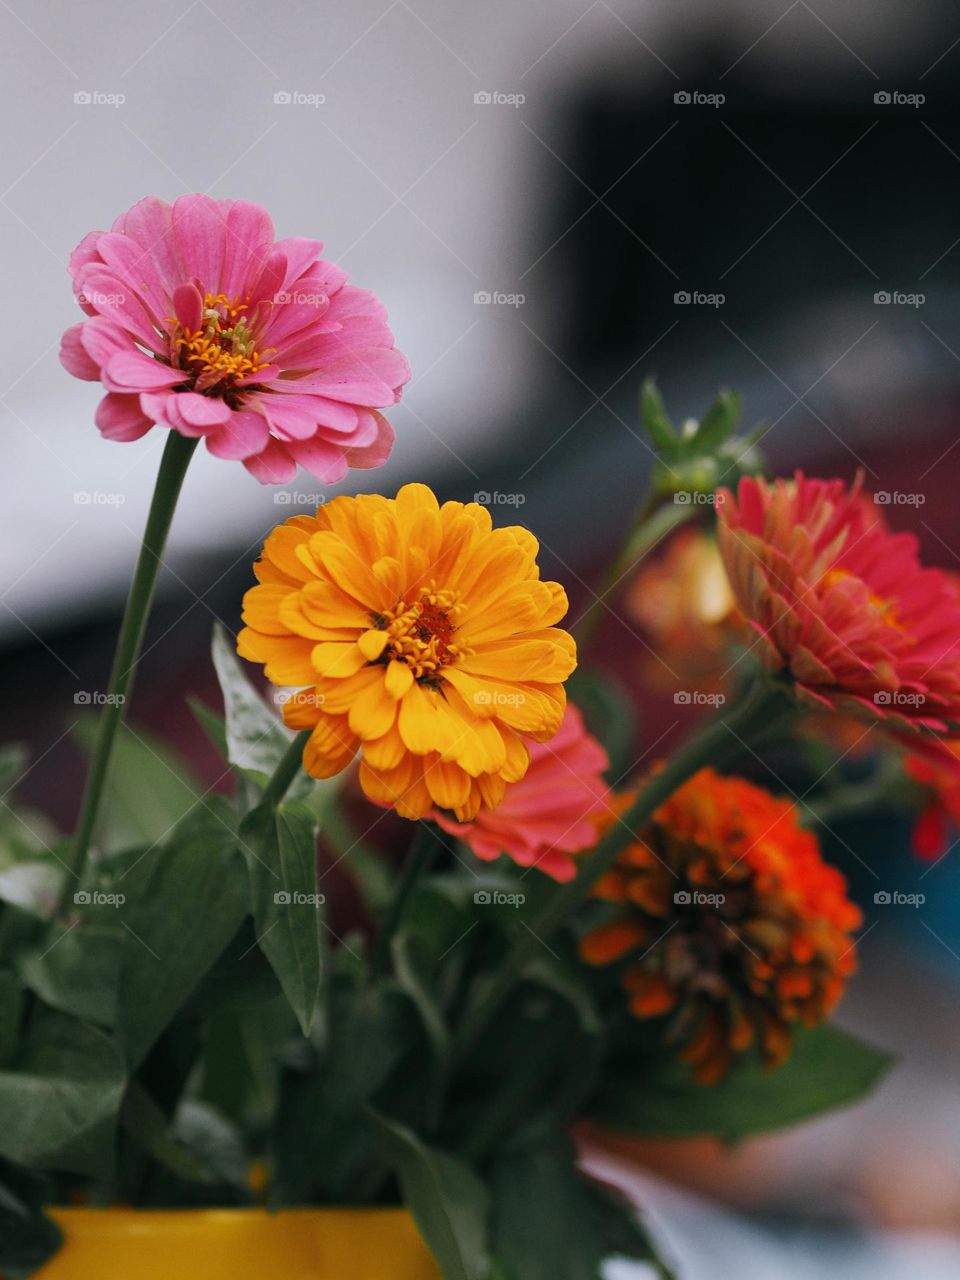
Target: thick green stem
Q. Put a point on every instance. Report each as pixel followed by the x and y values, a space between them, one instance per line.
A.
pixel 722 739
pixel 173 466
pixel 425 847
pixel 653 523
pixel 285 772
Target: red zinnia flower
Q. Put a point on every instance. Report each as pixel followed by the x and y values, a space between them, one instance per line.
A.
pixel 841 602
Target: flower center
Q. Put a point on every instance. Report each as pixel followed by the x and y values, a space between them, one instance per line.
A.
pixel 223 352
pixel 885 608
pixel 421 633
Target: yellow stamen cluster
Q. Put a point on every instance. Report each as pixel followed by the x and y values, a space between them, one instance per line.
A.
pixel 225 349
pixel 421 634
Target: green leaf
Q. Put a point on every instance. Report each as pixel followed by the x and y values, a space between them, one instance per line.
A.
pixel 75 969
pixel 282 857
pixel 657 1095
pixel 718 422
pixel 413 968
pixel 184 904
pixel 11 1006
pixel 148 788
pixel 448 1201
pixel 549 1220
pixel 27 1236
pixel 256 739
pixel 143 1119
pixel 653 415
pixel 59 1100
pixel 213 725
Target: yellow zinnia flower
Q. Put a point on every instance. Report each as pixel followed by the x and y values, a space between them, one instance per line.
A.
pixel 418 635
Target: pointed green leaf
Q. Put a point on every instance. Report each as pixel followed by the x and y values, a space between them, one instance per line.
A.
pixel 60 1098
pixel 719 421
pixel 281 846
pixel 653 415
pixel 184 903
pixel 657 1095
pixel 256 739
pixel 447 1199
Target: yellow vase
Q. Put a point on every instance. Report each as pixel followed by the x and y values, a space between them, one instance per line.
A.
pixel 239 1244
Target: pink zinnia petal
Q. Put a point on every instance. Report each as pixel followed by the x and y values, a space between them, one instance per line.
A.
pixel 273 465
pixel 241 436
pixel 120 417
pixel 552 812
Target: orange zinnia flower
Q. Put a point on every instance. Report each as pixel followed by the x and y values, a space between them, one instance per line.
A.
pixel 729 921
pixel 425 639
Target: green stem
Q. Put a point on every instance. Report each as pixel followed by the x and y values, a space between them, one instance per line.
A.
pixel 287 769
pixel 720 740
pixel 653 523
pixel 425 846
pixel 173 466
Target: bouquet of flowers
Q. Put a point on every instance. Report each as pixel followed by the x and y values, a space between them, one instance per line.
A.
pixel 565 928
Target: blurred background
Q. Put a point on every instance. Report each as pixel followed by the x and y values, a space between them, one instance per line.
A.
pixel 554 200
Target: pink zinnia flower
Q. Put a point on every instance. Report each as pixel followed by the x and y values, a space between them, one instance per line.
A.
pixel 202 322
pixel 841 602
pixel 551 812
